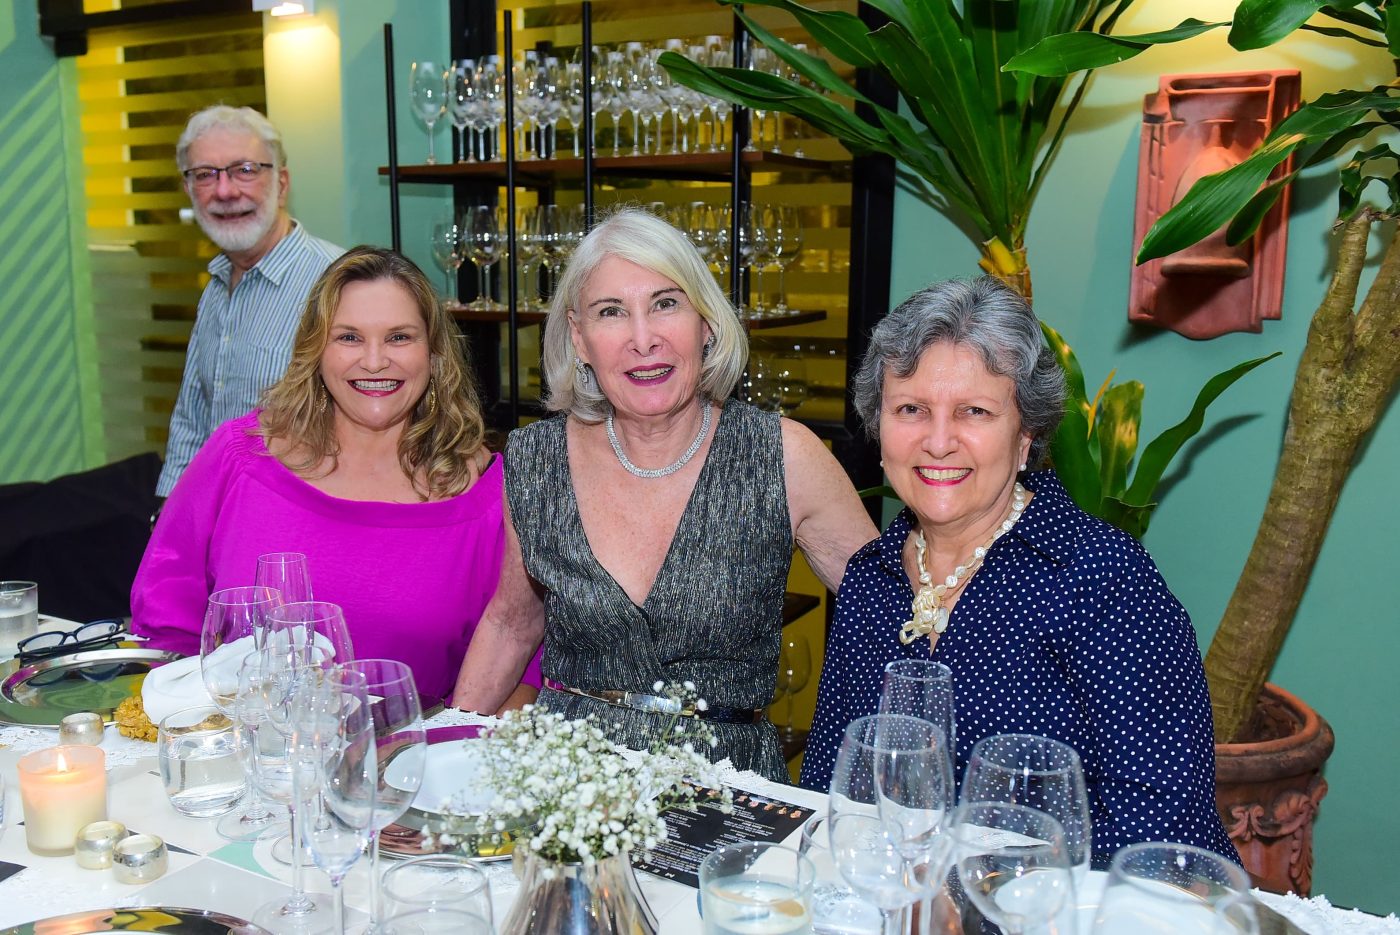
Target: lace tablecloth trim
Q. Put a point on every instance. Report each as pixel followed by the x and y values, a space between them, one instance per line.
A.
pixel 120 750
pixel 1317 916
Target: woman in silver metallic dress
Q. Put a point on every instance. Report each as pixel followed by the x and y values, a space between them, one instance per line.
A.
pixel 651 522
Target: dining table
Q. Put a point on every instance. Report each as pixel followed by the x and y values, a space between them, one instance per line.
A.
pixel 206 872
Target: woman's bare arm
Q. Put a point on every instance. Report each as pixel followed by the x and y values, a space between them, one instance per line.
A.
pixel 828 520
pixel 510 631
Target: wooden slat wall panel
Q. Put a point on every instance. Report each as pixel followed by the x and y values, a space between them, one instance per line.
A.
pixel 137 87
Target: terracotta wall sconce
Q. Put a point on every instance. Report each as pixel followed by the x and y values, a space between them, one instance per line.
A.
pixel 1192 126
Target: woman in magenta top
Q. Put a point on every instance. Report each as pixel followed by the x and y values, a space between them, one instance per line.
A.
pixel 367 457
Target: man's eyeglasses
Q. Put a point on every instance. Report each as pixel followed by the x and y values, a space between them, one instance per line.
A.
pixel 95 635
pixel 240 173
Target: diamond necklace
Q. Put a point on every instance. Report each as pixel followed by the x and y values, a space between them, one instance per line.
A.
pixel 930 616
pixel 670 468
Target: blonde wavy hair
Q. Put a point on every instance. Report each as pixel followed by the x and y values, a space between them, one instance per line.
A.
pixel 438 448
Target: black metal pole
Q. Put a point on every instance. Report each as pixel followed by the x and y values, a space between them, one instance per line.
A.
pixel 512 325
pixel 394 239
pixel 587 115
pixel 739 187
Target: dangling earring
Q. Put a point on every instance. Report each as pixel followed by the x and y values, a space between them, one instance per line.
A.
pixel 583 374
pixel 709 346
pixel 432 398
pixel 323 398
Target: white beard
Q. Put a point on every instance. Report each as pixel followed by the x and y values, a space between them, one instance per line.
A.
pixel 240 236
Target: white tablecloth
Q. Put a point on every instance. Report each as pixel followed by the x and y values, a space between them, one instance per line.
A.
pixel 207 872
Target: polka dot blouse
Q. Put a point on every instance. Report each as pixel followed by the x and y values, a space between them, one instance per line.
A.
pixel 1067 631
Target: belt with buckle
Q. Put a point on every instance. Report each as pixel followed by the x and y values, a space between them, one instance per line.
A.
pixel 657 704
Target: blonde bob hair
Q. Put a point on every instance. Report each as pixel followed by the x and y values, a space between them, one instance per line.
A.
pixel 639 237
pixel 438 446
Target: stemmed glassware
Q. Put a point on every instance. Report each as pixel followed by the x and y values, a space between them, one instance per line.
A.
pixel 890 789
pixel 1042 773
pixel 1156 887
pixel 481 232
pixel 785 244
pixel 402 745
pixel 791 368
pixel 286 573
pixel 333 744
pixel 449 253
pixel 923 689
pixel 428 93
pixel 234 624
pixel 462 102
pixel 1012 864
pixel 794 669
pixel 529 248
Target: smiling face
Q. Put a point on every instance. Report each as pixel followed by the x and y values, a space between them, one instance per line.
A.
pixel 238 217
pixel 376 363
pixel 641 335
pixel 951 440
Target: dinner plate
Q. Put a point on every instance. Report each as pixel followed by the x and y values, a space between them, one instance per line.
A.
pixel 146 919
pixel 453 769
pixel 43 693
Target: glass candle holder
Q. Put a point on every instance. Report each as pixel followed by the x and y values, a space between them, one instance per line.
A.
pixel 62 790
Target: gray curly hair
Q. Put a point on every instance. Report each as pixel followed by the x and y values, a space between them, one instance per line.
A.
pixel 986 316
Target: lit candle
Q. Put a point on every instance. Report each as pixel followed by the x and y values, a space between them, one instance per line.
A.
pixel 62 790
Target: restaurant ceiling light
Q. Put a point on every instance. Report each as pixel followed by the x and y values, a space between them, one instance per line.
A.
pixel 285 7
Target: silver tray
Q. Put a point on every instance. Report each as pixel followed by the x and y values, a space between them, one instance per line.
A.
pixel 43 693
pixel 146 919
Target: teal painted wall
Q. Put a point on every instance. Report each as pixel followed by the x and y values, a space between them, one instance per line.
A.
pixel 49 420
pixel 1342 653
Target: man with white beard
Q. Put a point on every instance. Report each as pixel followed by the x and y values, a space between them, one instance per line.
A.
pixel 235 173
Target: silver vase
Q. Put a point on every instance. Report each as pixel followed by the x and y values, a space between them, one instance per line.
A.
pixel 573 899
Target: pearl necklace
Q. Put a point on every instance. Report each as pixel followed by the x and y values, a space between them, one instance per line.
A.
pixel 930 616
pixel 670 468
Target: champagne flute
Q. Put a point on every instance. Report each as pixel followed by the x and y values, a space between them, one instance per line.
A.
pixel 234 623
pixel 1042 773
pixel 334 742
pixel 402 744
pixel 286 572
pixel 1155 887
pixel 1012 863
pixel 923 689
pixel 428 93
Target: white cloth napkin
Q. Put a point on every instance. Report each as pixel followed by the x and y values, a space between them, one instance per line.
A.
pixel 181 684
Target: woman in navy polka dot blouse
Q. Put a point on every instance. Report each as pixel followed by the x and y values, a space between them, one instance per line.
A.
pixel 1052 621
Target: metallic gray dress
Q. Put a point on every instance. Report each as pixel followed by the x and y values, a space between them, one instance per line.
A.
pixel 714 614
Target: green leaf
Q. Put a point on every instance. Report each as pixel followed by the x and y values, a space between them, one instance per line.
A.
pixel 1258 23
pixel 1392 30
pixel 1074 374
pixel 842 34
pixel 1074 462
pixel 1119 414
pixel 1360 172
pixel 1160 452
pixel 1132 519
pixel 1337 32
pixel 809 66
pixel 1247 220
pixel 1354 17
pixel 1076 51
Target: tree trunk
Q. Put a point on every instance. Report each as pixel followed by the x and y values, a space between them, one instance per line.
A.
pixel 1349 365
pixel 1008 265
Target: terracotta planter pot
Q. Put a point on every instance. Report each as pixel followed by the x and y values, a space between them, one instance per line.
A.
pixel 1267 790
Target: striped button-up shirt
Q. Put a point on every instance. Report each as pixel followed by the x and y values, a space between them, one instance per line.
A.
pixel 241 342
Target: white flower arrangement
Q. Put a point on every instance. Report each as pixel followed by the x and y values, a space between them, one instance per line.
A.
pixel 582 798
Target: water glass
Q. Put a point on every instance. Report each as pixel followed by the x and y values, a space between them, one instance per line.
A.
pixel 199 762
pixel 756 887
pixel 439 884
pixel 19 614
pixel 446 921
pixel 1156 887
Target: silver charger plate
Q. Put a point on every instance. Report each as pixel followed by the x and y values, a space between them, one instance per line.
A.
pixel 43 693
pixel 145 919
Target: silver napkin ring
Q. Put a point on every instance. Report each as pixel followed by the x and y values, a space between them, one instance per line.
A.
pixel 85 727
pixel 139 858
pixel 93 846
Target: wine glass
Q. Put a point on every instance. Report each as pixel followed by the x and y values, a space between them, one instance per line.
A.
pixel 429 94
pixel 460 85
pixel 234 624
pixel 286 572
pixel 299 628
pixel 402 745
pixel 790 367
pixel 890 788
pixel 333 743
pixel 835 906
pixel 481 233
pixel 1012 864
pixel 794 669
pixel 923 689
pixel 759 386
pixel 270 682
pixel 786 245
pixel 1156 887
pixel 1042 773
pixel 449 254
